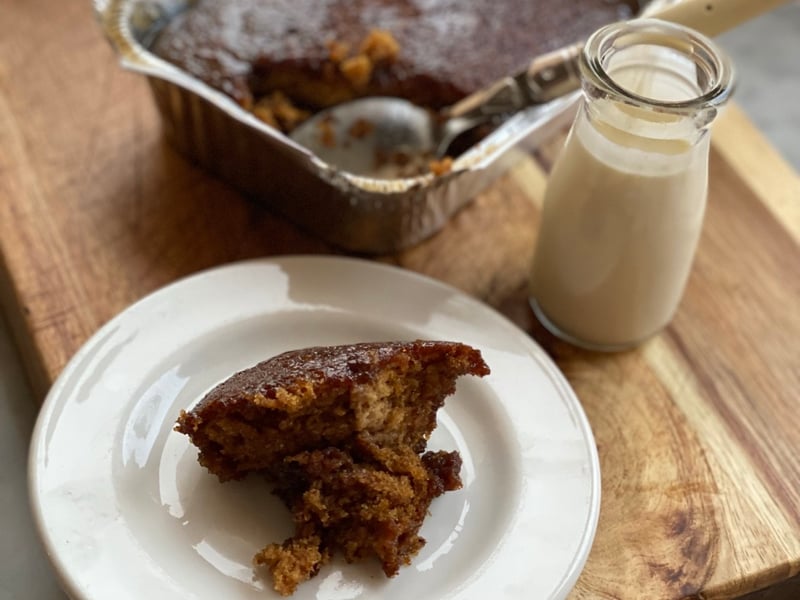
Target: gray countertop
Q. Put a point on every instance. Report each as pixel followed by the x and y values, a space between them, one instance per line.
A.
pixel 24 569
pixel 765 53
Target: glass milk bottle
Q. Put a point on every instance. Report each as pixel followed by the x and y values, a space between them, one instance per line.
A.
pixel 624 203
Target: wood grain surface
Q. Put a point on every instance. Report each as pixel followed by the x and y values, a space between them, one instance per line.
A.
pixel 698 430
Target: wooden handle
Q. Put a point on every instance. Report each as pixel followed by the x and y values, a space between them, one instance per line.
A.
pixel 713 17
pixel 555 74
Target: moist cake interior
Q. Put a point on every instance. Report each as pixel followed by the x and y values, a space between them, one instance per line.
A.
pixel 340 433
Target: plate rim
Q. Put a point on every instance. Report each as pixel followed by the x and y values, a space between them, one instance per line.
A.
pixel 70 585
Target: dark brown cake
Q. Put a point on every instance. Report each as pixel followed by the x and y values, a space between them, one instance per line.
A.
pixel 321 52
pixel 362 503
pixel 339 431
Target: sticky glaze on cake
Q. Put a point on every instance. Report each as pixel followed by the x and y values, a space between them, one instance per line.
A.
pixel 446 49
pixel 339 431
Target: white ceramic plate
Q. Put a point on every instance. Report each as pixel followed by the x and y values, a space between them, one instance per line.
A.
pixel 125 511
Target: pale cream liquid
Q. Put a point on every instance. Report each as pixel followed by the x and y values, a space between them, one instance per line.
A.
pixel 620 225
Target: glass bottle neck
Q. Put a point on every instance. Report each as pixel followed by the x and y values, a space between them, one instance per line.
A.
pixel 652 83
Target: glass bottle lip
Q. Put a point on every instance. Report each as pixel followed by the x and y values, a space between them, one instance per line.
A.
pixel 654 32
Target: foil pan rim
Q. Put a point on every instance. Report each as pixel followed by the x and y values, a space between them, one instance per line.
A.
pixel 115 17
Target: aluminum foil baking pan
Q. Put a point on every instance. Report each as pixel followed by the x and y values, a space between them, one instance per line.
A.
pixel 357 213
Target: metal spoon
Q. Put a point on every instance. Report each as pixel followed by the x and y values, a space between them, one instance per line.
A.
pixel 386 137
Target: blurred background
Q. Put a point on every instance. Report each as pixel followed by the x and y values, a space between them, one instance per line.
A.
pixel 766 53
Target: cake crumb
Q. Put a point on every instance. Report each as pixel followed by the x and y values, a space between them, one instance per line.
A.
pixel 380 46
pixel 337 51
pixel 292 562
pixel 357 70
pixel 361 128
pixel 441 166
pixel 278 111
pixel 327 134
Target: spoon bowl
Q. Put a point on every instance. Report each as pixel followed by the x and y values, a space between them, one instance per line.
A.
pixel 385 137
pixel 377 137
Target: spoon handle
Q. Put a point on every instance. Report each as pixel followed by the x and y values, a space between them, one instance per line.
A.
pixel 713 17
pixel 503 96
pixel 555 74
pixel 552 75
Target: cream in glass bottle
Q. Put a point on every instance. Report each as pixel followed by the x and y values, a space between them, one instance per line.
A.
pixel 625 200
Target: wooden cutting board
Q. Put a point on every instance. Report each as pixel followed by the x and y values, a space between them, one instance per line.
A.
pixel 698 430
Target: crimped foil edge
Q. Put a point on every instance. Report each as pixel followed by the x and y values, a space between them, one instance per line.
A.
pixel 356 213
